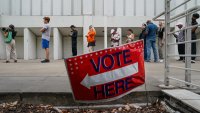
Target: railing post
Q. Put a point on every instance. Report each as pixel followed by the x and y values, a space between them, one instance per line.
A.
pixel 167 30
pixel 188 50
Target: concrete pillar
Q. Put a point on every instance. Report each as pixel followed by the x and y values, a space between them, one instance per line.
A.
pixel 2 47
pixel 87 21
pixel 30 46
pixel 57 44
pixel 105 33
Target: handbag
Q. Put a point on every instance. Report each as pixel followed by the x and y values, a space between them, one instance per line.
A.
pixel 8 39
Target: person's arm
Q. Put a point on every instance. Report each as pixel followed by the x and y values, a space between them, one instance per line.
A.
pixel 44 28
pixel 117 38
pixel 175 35
pixel 132 37
pixel 194 29
pixel 5 34
pixel 91 33
pixel 74 34
pixel 146 31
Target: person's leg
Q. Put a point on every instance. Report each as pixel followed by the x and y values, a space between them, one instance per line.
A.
pixel 13 51
pixel 90 48
pixel 45 46
pixel 193 51
pixel 8 51
pixel 159 48
pixel 145 50
pixel 154 50
pixel 47 53
pixel 74 48
pixel 181 50
pixel 148 45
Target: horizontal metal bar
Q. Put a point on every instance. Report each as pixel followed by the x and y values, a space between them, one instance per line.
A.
pixel 177 67
pixel 182 15
pixel 159 15
pixel 188 83
pixel 190 41
pixel 185 28
pixel 179 6
pixel 172 55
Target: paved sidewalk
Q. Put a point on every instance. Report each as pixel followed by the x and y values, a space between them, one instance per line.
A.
pixel 32 76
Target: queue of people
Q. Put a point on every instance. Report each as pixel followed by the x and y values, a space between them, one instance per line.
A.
pixel 150 34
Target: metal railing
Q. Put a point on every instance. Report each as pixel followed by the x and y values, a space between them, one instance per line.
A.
pixel 188 40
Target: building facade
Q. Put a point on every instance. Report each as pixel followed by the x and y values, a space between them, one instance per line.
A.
pixel 104 15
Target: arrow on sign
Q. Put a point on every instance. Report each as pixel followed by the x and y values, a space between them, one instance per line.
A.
pixel 109 76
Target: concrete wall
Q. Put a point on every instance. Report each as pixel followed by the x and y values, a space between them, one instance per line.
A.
pixel 29 45
pixel 19 47
pixel 57 45
pixel 80 7
pixel 2 47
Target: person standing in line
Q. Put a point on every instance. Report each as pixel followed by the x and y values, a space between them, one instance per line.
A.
pixel 161 39
pixel 143 36
pixel 180 37
pixel 194 37
pixel 91 38
pixel 46 30
pixel 74 34
pixel 151 31
pixel 9 34
pixel 130 36
pixel 115 38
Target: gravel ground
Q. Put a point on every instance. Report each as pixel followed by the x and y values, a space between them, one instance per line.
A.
pixel 17 107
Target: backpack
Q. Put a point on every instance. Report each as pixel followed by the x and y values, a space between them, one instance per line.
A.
pixel 8 39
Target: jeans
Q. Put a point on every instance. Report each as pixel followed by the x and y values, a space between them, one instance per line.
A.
pixel 150 43
pixel 145 50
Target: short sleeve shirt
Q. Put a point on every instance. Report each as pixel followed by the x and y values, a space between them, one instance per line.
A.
pixel 46 33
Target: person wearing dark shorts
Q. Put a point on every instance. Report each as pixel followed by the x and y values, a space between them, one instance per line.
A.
pixel 194 37
pixel 91 38
pixel 46 30
pixel 74 34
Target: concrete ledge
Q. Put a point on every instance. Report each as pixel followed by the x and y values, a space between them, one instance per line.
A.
pixel 66 99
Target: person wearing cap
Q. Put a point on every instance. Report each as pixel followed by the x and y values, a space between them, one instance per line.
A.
pixel 161 30
pixel 46 30
pixel 91 38
pixel 143 36
pixel 151 31
pixel 130 36
pixel 180 37
pixel 194 37
pixel 74 34
pixel 10 34
pixel 115 38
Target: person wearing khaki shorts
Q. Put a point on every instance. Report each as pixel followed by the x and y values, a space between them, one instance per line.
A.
pixel 10 43
pixel 11 51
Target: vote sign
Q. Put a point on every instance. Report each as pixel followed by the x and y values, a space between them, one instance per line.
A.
pixel 106 74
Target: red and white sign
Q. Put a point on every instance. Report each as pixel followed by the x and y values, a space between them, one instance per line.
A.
pixel 107 74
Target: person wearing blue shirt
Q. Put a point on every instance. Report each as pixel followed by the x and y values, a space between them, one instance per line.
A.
pixel 151 31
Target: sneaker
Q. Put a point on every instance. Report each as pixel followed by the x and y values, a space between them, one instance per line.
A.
pixel 156 61
pixel 192 61
pixel 147 61
pixel 7 61
pixel 161 61
pixel 179 60
pixel 45 61
pixel 15 61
